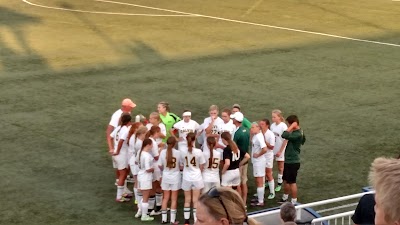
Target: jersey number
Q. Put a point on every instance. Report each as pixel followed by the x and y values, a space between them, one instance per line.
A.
pixel 193 161
pixel 213 163
pixel 173 164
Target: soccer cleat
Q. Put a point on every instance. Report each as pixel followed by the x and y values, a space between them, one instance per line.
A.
pixel 123 199
pixel 175 223
pixel 281 201
pixel 138 214
pixel 278 188
pixel 155 213
pixel 187 222
pixel 271 196
pixel 127 191
pixel 126 195
pixel 136 202
pixel 146 218
pixel 257 204
pixel 164 222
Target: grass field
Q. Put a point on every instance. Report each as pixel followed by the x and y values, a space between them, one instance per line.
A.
pixel 64 70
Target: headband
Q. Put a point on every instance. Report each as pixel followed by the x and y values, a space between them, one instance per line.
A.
pixel 187 114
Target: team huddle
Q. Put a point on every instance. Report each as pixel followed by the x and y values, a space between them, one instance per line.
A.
pixel 166 154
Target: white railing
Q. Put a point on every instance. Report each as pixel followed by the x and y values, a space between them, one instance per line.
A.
pixel 319 203
pixel 333 219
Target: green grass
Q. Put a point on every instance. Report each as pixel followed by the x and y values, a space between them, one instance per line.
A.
pixel 63 74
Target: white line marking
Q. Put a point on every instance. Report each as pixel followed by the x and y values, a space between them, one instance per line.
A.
pixel 256 24
pixel 106 13
pixel 252 8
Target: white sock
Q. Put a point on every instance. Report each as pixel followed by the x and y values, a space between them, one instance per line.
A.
pixel 164 216
pixel 280 180
pixel 145 209
pixel 294 200
pixel 186 213
pixel 139 200
pixel 159 197
pixel 271 185
pixel 151 202
pixel 194 215
pixel 260 194
pixel 173 215
pixel 135 191
pixel 285 196
pixel 120 191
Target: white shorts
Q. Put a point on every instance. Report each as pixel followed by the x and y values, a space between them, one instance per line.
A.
pixel 156 173
pixel 192 185
pixel 231 178
pixel 145 185
pixel 120 162
pixel 170 187
pixel 259 170
pixel 134 169
pixel 280 158
pixel 209 185
pixel 269 156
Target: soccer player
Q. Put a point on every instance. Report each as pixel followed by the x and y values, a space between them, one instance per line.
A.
pixel 168 118
pixel 226 126
pixel 278 127
pixel 120 154
pixel 242 140
pixel 184 127
pixel 246 122
pixel 154 120
pixel 296 138
pixel 137 142
pixel 156 193
pixel 233 159
pixel 258 149
pixel 145 176
pixel 169 162
pixel 192 181
pixel 131 145
pixel 211 126
pixel 269 138
pixel 211 171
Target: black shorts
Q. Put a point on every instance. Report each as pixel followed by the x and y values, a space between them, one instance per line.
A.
pixel 290 172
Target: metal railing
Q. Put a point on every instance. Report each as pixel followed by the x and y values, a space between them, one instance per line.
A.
pixel 337 219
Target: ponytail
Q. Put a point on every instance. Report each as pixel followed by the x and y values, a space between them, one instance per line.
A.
pixel 279 114
pixel 191 137
pixel 152 131
pixel 211 143
pixel 134 128
pixel 228 138
pixel 171 143
pixel 251 221
pixel 145 143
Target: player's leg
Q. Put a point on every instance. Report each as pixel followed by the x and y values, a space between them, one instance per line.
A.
pixel 259 175
pixel 286 186
pixel 196 194
pixel 186 206
pixel 268 175
pixel 243 180
pixel 174 205
pixel 281 162
pixel 152 198
pixel 145 204
pixel 167 192
pixel 293 182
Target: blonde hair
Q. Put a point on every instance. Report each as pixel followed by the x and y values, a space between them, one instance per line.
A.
pixel 234 206
pixel 141 130
pixel 213 107
pixel 155 115
pixel 385 178
pixel 279 114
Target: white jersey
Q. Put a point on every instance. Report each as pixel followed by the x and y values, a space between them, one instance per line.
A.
pixel 215 128
pixel 120 133
pixel 278 131
pixel 131 146
pixel 211 168
pixel 115 118
pixel 191 164
pixel 270 138
pixel 145 163
pixel 170 175
pixel 154 149
pixel 185 128
pixel 226 127
pixel 258 143
pixel 162 128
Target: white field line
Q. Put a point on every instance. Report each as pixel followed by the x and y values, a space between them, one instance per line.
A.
pixel 97 12
pixel 256 24
pixel 252 8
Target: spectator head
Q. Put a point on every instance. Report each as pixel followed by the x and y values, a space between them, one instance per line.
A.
pixel 385 178
pixel 222 206
pixel 127 105
pixel 288 212
pixel 235 108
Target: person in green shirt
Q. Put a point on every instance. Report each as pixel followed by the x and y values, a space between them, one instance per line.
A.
pixel 296 138
pixel 242 140
pixel 246 123
pixel 168 118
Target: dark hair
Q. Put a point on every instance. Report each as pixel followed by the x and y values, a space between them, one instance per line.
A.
pixel 152 131
pixel 145 143
pixel 190 138
pixel 228 138
pixel 133 130
pixel 266 121
pixel 171 143
pixel 125 119
pixel 211 142
pixel 292 118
